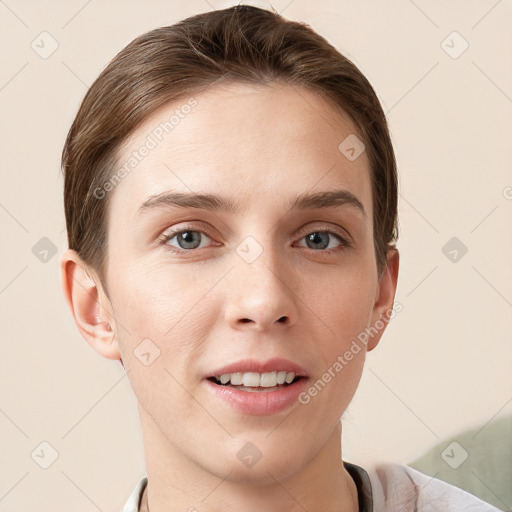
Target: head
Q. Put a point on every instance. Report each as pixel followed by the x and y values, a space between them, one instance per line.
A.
pixel 231 194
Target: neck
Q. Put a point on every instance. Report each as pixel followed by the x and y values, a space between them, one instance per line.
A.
pixel 175 483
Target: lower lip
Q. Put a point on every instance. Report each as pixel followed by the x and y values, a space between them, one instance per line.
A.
pixel 259 402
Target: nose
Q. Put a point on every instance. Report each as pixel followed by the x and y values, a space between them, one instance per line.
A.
pixel 261 295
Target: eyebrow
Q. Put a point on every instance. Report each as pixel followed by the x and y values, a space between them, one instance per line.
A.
pixel 325 199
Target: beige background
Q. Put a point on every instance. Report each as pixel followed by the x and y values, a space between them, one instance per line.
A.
pixel 444 364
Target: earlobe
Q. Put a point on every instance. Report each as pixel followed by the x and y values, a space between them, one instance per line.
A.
pixel 88 304
pixel 383 307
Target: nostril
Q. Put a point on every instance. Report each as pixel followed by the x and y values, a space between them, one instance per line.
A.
pixel 247 320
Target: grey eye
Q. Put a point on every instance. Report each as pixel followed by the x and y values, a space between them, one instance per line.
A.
pixel 189 239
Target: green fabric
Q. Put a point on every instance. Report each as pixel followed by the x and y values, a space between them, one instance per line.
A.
pixel 487 470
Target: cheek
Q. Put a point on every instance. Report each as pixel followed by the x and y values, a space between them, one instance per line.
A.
pixel 345 312
pixel 348 302
pixel 165 314
pixel 164 324
pixel 159 298
pixel 333 387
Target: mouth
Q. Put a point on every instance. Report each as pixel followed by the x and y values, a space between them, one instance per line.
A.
pixel 255 381
pixel 258 388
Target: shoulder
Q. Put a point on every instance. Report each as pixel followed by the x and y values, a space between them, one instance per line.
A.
pixel 133 503
pixel 400 488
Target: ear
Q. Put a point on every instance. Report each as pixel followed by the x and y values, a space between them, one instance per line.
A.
pixel 384 300
pixel 89 305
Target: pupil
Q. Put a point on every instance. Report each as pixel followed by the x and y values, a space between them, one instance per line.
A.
pixel 190 239
pixel 317 238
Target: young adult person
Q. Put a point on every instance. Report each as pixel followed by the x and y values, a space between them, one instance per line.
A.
pixel 231 206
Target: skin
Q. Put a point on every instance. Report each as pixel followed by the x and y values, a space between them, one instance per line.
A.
pixel 260 146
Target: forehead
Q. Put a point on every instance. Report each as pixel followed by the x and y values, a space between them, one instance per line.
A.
pixel 250 141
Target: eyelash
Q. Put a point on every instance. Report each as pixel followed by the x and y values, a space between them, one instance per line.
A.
pixel 345 242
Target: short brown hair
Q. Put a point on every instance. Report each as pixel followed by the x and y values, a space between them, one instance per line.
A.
pixel 241 44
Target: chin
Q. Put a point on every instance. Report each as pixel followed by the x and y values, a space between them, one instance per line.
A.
pixel 261 475
pixel 259 467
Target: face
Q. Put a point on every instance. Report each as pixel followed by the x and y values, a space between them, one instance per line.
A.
pixel 264 278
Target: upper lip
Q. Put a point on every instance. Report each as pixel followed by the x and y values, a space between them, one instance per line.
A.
pixel 276 364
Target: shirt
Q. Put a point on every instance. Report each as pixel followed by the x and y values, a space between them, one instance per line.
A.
pixel 388 488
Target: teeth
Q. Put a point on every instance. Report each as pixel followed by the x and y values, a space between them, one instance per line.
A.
pixel 268 380
pixel 236 378
pixel 255 380
pixel 251 379
pixel 281 377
